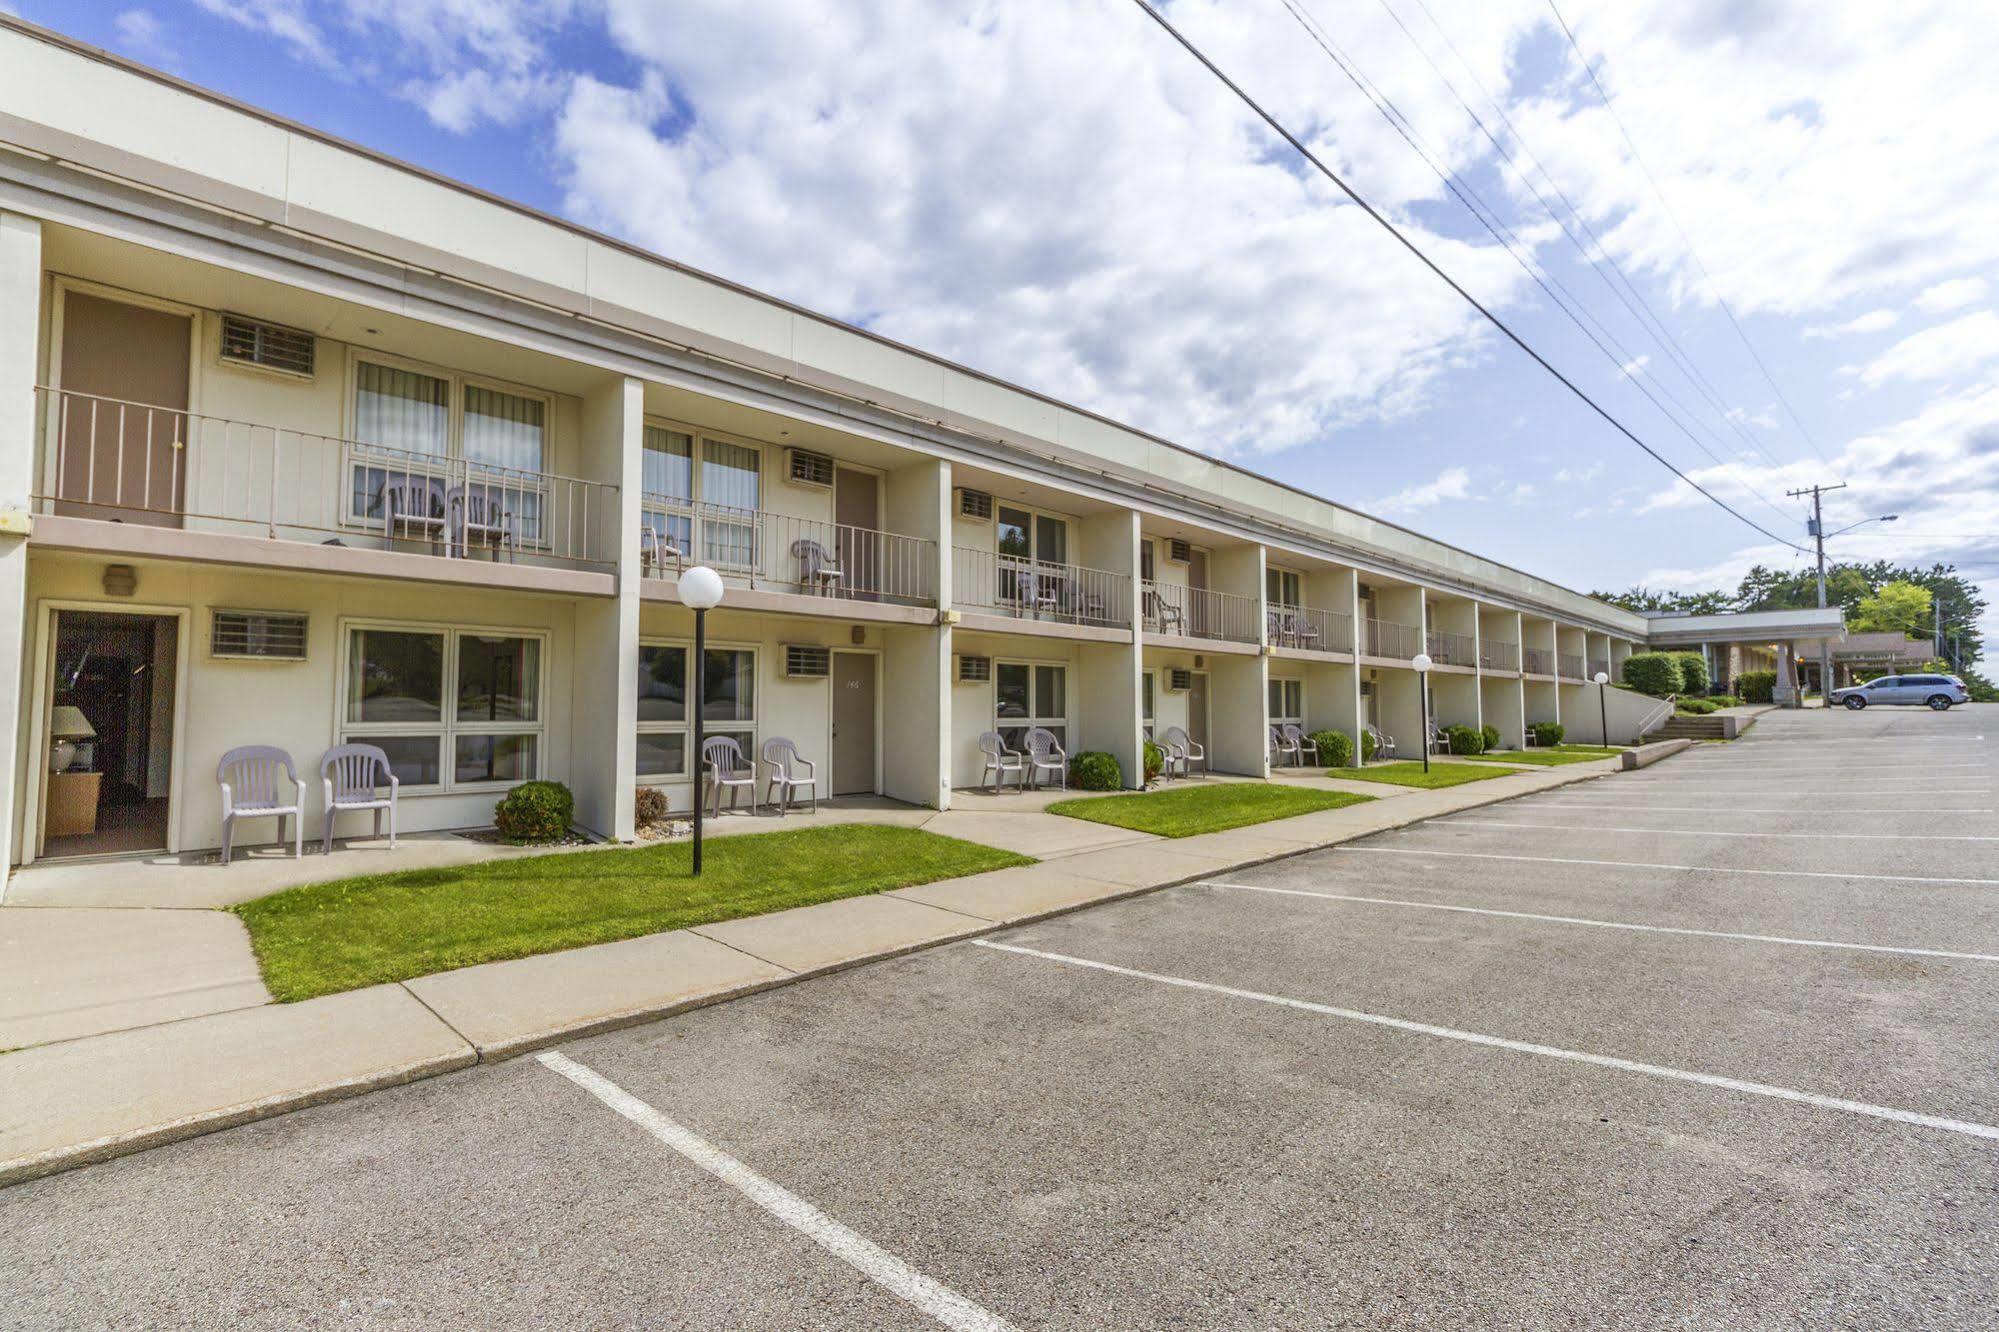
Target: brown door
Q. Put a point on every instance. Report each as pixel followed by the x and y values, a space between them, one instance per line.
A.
pixel 856 501
pixel 1197 709
pixel 122 414
pixel 853 723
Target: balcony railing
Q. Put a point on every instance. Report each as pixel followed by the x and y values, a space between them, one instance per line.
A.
pixel 132 462
pixel 1036 590
pixel 1449 649
pixel 1385 638
pixel 1199 612
pixel 1569 664
pixel 1599 666
pixel 777 552
pixel 1308 627
pixel 1538 661
pixel 1496 654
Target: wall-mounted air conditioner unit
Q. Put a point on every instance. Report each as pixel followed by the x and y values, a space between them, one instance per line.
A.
pixel 264 635
pixel 1367 689
pixel 802 467
pixel 1178 550
pixel 974 670
pixel 976 505
pixel 252 342
pixel 1179 680
pixel 804 661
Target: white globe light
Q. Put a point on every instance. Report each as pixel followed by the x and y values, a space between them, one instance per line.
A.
pixel 1421 661
pixel 700 588
pixel 1601 678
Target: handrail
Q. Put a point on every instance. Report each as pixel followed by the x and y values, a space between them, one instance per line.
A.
pixel 757 548
pixel 1198 612
pixel 1537 661
pixel 1656 718
pixel 1498 654
pixel 105 457
pixel 1450 649
pixel 1038 590
pixel 1385 638
pixel 1308 628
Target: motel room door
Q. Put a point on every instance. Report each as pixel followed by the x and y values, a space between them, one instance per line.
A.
pixel 853 723
pixel 123 411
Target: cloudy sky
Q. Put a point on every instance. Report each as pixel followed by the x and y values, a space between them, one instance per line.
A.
pixel 1052 191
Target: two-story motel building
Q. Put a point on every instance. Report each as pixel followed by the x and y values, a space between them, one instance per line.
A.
pixel 304 445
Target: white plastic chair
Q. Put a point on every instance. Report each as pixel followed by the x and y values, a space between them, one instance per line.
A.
pixel 1294 736
pixel 1000 761
pixel 1182 749
pixel 1440 743
pixel 818 571
pixel 352 774
pixel 779 754
pixel 723 765
pixel 1045 754
pixel 249 780
pixel 1384 744
pixel 1283 747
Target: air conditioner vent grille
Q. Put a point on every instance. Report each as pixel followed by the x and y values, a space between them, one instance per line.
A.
pixel 974 670
pixel 1178 550
pixel 1179 679
pixel 976 504
pixel 262 634
pixel 805 661
pixel 266 346
pixel 811 469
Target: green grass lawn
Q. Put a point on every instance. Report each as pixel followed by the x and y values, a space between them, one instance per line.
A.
pixel 1410 773
pixel 326 937
pixel 1191 810
pixel 1545 758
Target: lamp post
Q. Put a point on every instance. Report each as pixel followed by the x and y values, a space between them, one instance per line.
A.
pixel 700 592
pixel 1603 706
pixel 1421 661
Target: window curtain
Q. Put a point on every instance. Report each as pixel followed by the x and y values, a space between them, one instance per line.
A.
pixel 401 409
pixel 728 474
pixel 667 467
pixel 503 429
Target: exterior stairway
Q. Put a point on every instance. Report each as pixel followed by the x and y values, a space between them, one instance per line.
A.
pixel 1680 727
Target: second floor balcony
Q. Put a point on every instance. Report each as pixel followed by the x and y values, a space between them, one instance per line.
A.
pixel 1498 654
pixel 1599 666
pixel 1449 649
pixel 778 552
pixel 1029 589
pixel 1389 640
pixel 130 462
pixel 1569 665
pixel 1198 612
pixel 1308 628
pixel 1537 661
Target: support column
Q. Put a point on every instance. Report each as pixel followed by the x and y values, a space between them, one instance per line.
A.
pixel 20 323
pixel 917 660
pixel 1107 673
pixel 604 706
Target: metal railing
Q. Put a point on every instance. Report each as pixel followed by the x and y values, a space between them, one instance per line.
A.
pixel 1449 649
pixel 132 462
pixel 1599 666
pixel 1569 664
pixel 1496 654
pixel 1385 638
pixel 775 551
pixel 1537 661
pixel 1308 627
pixel 1034 590
pixel 1199 612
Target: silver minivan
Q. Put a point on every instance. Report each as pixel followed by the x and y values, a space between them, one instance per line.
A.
pixel 1933 691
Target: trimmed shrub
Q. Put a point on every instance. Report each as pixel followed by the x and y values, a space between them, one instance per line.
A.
pixel 1757 686
pixel 1654 673
pixel 648 805
pixel 1725 700
pixel 535 812
pixel 1335 748
pixel 1155 760
pixel 1465 739
pixel 1491 734
pixel 1094 770
pixel 1693 672
pixel 1694 707
pixel 1367 746
pixel 1548 734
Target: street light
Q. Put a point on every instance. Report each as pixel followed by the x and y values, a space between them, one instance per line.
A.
pixel 1825 644
pixel 1421 662
pixel 1603 706
pixel 700 592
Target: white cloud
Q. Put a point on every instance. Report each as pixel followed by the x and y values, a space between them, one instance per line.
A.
pixel 1942 352
pixel 144 37
pixel 1952 295
pixel 1453 483
pixel 1874 321
pixel 1634 367
pixel 286 20
pixel 1579 474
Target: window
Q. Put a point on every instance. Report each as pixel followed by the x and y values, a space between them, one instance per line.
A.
pixel 425 442
pixel 486 730
pixel 1284 587
pixel 1027 696
pixel 1145 559
pixel 1145 700
pixel 1287 702
pixel 1025 537
pixel 721 495
pixel 665 729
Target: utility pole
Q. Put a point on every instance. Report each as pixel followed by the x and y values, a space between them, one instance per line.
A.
pixel 1817 528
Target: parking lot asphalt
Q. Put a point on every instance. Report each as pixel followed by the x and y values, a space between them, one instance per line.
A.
pixel 1709 1044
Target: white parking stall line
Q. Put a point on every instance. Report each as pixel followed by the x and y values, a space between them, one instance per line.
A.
pixel 1603 924
pixel 1717 832
pixel 1823 1102
pixel 1641 864
pixel 942 1304
pixel 1731 808
pixel 1828 789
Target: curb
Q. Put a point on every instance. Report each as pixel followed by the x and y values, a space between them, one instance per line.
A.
pixel 57 1160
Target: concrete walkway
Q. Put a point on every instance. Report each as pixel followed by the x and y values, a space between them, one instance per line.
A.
pixel 218 1054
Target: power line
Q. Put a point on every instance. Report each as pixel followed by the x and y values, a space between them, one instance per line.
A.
pixel 1648 318
pixel 1299 147
pixel 1685 239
